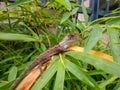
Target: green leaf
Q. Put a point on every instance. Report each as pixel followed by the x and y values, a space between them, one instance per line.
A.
pixel 65 3
pixel 76 71
pixel 114 39
pixel 43 47
pixel 105 19
pixel 80 26
pixel 93 38
pixel 114 21
pixel 107 82
pixel 5 85
pixel 59 82
pixel 9 59
pixel 32 32
pixel 12 73
pixel 65 17
pixel 117 87
pixel 84 12
pixel 98 62
pixel 46 76
pixel 11 36
pixel 74 11
pixel 18 2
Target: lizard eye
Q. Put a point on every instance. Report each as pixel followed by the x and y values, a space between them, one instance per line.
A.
pixel 73 36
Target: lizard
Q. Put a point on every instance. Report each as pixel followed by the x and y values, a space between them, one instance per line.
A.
pixel 45 57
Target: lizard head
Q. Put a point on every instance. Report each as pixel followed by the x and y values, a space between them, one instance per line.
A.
pixel 68 39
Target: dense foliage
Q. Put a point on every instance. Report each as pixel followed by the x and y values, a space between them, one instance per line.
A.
pixel 27 29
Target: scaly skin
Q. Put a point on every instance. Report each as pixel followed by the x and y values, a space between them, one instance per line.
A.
pixel 45 57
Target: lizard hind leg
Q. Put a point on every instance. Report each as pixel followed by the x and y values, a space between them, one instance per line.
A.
pixel 40 67
pixel 43 64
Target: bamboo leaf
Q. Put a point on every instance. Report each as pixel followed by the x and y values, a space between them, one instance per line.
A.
pixel 59 82
pixel 65 3
pixel 12 73
pixel 114 39
pixel 74 11
pixel 43 47
pixel 115 26
pixel 65 17
pixel 114 21
pixel 22 37
pixel 93 38
pixel 100 63
pixel 106 82
pixel 80 26
pixel 117 87
pixel 32 32
pixel 5 85
pixel 84 12
pixel 18 2
pixel 76 71
pixel 103 19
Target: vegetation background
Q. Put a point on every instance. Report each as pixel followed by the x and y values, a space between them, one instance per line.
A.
pixel 27 29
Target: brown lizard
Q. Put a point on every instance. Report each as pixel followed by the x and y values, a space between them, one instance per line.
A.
pixel 45 56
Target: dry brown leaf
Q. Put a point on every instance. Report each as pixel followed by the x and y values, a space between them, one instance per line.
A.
pixel 100 54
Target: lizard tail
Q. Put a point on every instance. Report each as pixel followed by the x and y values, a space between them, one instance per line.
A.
pixel 24 73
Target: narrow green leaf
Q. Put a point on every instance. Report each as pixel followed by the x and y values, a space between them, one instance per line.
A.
pixel 107 82
pixel 114 21
pixel 115 26
pixel 65 3
pixel 46 76
pixel 9 59
pixel 74 11
pixel 5 85
pixel 84 12
pixel 30 55
pixel 43 47
pixel 65 17
pixel 80 26
pixel 76 71
pixel 98 62
pixel 103 19
pixel 12 73
pixel 114 39
pixel 18 2
pixel 11 36
pixel 117 87
pixel 59 82
pixel 32 32
pixel 93 38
